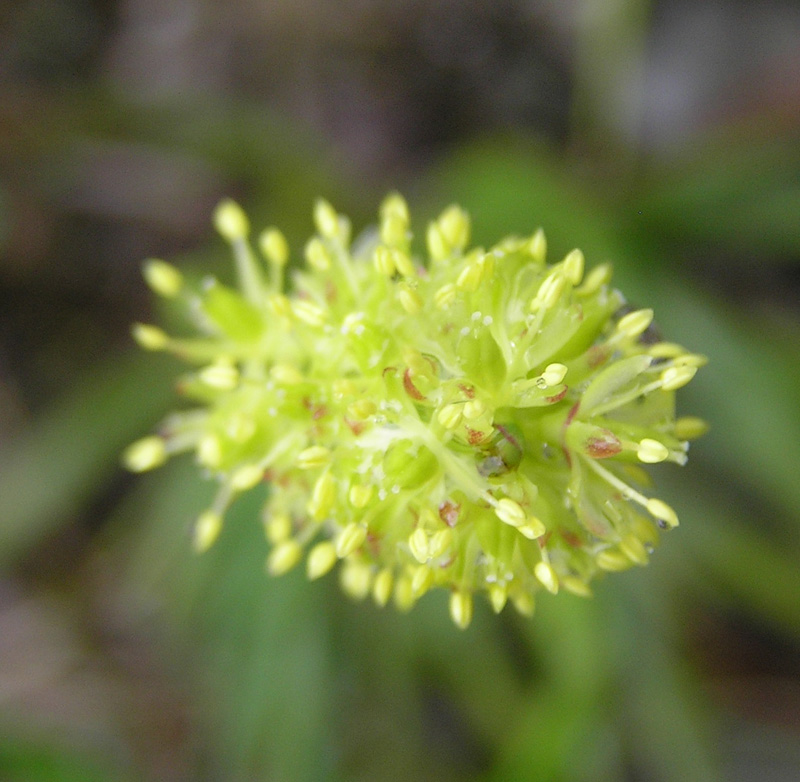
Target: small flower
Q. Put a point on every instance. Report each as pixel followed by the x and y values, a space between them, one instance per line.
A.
pixel 477 421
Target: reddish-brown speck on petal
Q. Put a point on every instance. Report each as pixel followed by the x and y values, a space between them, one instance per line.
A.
pixel 469 391
pixel 356 427
pixel 603 447
pixel 448 513
pixel 596 355
pixel 330 292
pixel 475 436
pixel 571 538
pixel 410 388
pixel 544 539
pixel 374 543
pixel 559 396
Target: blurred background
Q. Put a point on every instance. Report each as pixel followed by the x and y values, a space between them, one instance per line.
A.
pixel 663 136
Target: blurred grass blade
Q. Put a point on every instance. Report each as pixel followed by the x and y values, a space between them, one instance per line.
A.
pixel 48 473
pixel 739 191
pixel 748 393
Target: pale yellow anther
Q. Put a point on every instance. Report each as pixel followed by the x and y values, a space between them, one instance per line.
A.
pixel 666 350
pixel 308 312
pixel 394 230
pixel 549 291
pixel 524 603
pixel 470 278
pixel 445 296
pixel 286 375
pixel 690 427
pixel 454 225
pixel 382 587
pixel 547 576
pixel 596 278
pixel 221 375
pixel 652 451
pixel 635 323
pixel 403 263
pixel 474 408
pixel 612 560
pixel 422 580
pixel 438 249
pixel 573 266
pixel 284 557
pixel 323 496
pixel 246 477
pixel 576 586
pixel 312 457
pixel 230 220
pixel 325 219
pixel 145 454
pixel 418 543
pixel 163 278
pixel 278 527
pixel 362 409
pixel 206 530
pixel 691 360
pixel 537 246
pixel 279 305
pixel 486 264
pixel 394 205
pixel 510 512
pixel 209 451
pixel 410 300
pixel 674 378
pixel 450 416
pixel 350 538
pixel 440 543
pixel 355 579
pixel 149 337
pixel 634 549
pixel 316 255
pixel 359 495
pixel 660 510
pixel 533 528
pixel 383 260
pixel 403 594
pixel 498 596
pixel 554 374
pixel 461 609
pixel 274 247
pixel 320 560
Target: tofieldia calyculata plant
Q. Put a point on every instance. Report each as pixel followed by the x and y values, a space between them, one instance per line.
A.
pixel 477 420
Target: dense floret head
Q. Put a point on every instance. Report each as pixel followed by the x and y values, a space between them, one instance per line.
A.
pixel 476 420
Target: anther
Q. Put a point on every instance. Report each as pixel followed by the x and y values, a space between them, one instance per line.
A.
pixel 230 220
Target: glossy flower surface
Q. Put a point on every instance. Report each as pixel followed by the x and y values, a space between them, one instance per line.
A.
pixel 476 420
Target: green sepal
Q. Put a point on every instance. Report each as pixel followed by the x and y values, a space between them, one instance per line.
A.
pixel 612 379
pixel 231 313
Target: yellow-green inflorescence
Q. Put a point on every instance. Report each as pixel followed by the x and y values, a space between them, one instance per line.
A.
pixel 477 420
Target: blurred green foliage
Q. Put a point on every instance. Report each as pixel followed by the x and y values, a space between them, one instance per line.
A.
pixel 280 679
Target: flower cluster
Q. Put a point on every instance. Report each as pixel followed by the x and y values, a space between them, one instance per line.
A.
pixel 475 421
